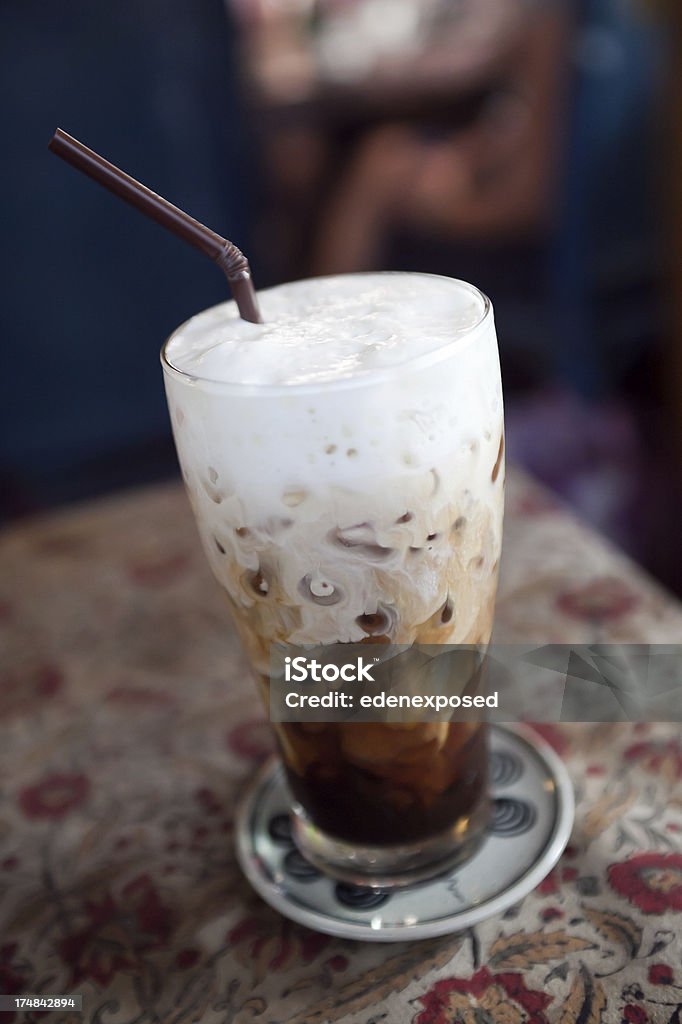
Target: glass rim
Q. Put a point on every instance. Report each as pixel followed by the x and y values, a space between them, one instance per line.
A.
pixel 364 379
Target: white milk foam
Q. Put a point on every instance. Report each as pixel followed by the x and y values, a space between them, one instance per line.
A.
pixel 337 446
pixel 327 329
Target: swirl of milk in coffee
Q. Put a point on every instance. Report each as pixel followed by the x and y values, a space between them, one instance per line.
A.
pixel 344 459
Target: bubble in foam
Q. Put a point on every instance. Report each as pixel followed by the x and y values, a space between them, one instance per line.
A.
pixel 258 583
pixel 213 493
pixel 498 460
pixel 377 623
pixel 360 540
pixel 293 498
pixel 447 612
pixel 276 524
pixel 319 590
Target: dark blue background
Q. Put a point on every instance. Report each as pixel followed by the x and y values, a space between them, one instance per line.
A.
pixel 91 287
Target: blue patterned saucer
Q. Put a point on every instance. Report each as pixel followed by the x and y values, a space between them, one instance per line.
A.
pixel 530 825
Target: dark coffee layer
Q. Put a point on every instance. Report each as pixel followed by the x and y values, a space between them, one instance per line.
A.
pixel 421 794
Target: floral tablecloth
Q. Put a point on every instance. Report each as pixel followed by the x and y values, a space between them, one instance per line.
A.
pixel 128 727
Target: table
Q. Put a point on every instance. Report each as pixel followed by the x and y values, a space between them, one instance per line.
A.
pixel 128 727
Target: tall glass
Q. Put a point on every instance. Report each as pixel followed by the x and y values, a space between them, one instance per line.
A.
pixel 363 509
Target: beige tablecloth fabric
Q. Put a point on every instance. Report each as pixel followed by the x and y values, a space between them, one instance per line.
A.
pixel 128 726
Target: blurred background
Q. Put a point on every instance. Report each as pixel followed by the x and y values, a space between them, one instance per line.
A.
pixel 529 146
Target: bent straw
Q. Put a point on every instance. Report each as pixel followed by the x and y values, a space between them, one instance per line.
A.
pixel 228 257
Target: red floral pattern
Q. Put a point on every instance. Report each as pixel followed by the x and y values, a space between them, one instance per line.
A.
pixel 278 948
pixel 128 725
pixel 26 688
pixel 483 996
pixel 12 976
pixel 650 881
pixel 187 958
pixel 251 740
pixel 116 932
pixel 601 600
pixel 551 885
pixel 551 734
pixel 137 697
pixel 55 796
pixel 159 572
pixel 658 758
pixel 660 974
pixel 635 1014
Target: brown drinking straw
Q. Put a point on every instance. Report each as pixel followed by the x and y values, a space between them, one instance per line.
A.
pixel 228 257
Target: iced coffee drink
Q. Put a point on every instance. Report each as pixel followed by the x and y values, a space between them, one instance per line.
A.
pixel 345 464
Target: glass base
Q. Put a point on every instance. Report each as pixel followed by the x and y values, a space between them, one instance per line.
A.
pixel 391 866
